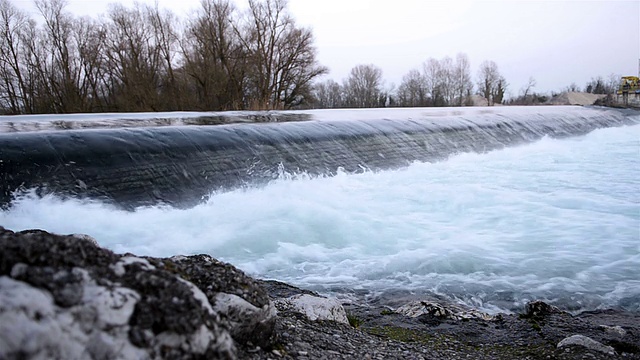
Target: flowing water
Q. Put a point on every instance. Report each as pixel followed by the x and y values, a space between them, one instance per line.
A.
pixel 137 161
pixel 557 219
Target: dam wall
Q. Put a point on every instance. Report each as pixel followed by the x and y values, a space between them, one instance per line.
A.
pixel 137 161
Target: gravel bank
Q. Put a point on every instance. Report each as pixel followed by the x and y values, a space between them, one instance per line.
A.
pixel 382 333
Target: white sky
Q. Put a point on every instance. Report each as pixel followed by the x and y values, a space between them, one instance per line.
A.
pixel 555 42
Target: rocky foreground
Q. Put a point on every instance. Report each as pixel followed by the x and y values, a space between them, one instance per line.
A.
pixel 64 297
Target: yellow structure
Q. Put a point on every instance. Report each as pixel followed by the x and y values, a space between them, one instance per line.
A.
pixel 629 85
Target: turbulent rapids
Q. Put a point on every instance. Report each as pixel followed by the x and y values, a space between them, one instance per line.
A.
pixel 136 160
pixel 494 207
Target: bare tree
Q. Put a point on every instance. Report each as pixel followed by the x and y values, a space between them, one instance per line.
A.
pixel 89 36
pixel 328 95
pixel 487 77
pixel 431 70
pixel 442 83
pixel 363 87
pixel 34 52
pixel 526 96
pixel 139 59
pixel 491 85
pixel 15 94
pixel 596 86
pixel 388 96
pixel 613 83
pixel 133 60
pixel 60 70
pixel 447 81
pixel 167 41
pixel 499 90
pixel 282 57
pixel 526 91
pixel 413 90
pixel 214 58
pixel 462 79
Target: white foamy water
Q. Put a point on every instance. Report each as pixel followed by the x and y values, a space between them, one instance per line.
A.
pixel 556 220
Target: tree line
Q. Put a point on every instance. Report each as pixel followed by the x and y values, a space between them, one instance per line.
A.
pixel 143 58
pixel 438 82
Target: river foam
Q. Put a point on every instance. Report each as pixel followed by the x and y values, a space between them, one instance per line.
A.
pixel 557 220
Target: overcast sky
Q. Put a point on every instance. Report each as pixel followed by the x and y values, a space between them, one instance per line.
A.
pixel 555 42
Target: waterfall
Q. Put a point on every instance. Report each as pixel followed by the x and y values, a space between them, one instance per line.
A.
pixel 179 159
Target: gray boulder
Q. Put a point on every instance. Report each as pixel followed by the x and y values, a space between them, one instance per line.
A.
pixel 614 331
pixel 65 297
pixel 540 309
pixel 243 304
pixel 314 307
pixel 586 342
pixel 442 311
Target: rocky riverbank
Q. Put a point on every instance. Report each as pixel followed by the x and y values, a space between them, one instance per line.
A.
pixel 64 297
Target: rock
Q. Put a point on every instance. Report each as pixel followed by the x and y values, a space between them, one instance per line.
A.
pixel 314 307
pixel 119 268
pixel 65 297
pixel 277 289
pixel 616 331
pixel 86 237
pixel 214 276
pixel 246 321
pixel 33 326
pixel 586 342
pixel 539 309
pixel 244 305
pixel 429 309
